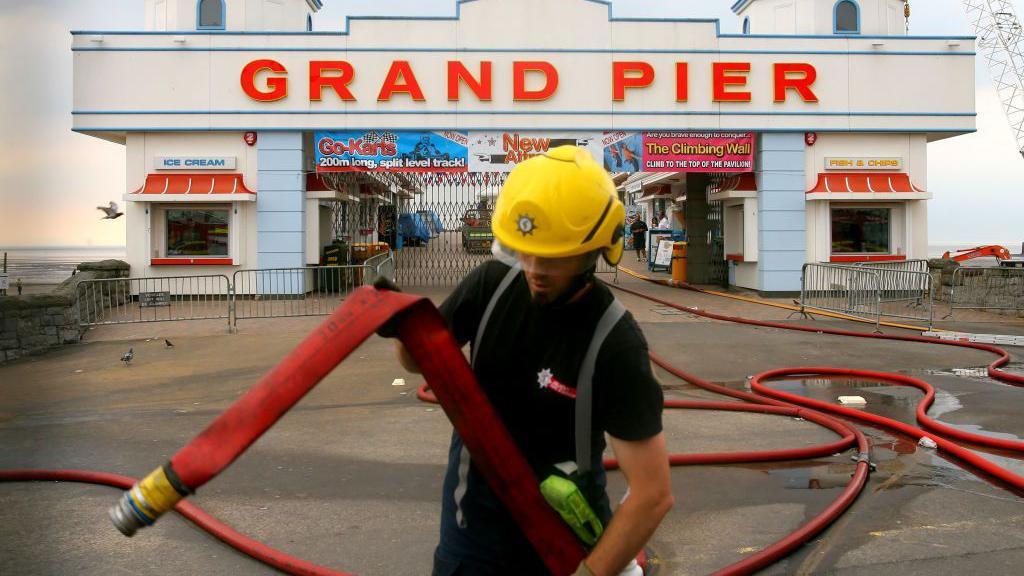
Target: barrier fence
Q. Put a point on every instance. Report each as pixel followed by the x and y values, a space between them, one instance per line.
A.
pixel 998 288
pixel 898 265
pixel 905 293
pixel 257 293
pixel 290 292
pixel 605 268
pixel 128 300
pixel 849 290
pixel 871 291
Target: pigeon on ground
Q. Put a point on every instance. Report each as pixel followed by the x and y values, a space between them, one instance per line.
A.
pixel 127 357
pixel 168 343
pixel 111 211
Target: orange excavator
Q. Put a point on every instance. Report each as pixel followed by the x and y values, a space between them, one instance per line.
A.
pixel 997 252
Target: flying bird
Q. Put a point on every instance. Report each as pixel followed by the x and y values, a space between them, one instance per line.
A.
pixel 168 343
pixel 127 356
pixel 110 211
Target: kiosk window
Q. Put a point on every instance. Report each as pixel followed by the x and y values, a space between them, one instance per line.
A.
pixel 197 232
pixel 211 14
pixel 861 231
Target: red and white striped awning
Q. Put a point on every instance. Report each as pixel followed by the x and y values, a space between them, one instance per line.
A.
pixel 193 188
pixel 744 182
pixel 885 184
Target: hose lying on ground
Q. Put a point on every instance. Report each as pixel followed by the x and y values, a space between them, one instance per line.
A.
pixel 205 457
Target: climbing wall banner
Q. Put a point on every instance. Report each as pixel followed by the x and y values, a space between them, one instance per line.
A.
pixel 391 151
pixel 678 151
pixel 502 151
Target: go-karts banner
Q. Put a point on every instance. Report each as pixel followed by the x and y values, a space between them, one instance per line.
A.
pixel 390 151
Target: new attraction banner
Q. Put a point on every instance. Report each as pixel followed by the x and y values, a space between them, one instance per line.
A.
pixel 391 151
pixel 502 151
pixel 698 152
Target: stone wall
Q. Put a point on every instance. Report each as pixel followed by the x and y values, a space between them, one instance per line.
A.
pixel 35 323
pixel 1007 292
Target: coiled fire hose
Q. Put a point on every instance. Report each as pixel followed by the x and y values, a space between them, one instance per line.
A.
pixel 446 370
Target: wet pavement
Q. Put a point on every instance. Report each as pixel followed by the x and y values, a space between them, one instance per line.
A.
pixel 351 477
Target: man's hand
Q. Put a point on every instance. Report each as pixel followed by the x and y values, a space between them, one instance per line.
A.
pixel 583 570
pixel 645 464
pixel 390 328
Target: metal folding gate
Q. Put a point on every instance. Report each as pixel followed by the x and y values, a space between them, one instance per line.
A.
pixel 437 224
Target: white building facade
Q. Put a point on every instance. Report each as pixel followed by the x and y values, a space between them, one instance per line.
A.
pixel 218 102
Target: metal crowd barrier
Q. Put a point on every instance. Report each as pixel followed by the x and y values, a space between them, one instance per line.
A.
pixel 904 292
pixel 129 300
pixel 381 265
pixel 898 265
pixel 850 290
pixel 997 288
pixel 604 268
pixel 289 292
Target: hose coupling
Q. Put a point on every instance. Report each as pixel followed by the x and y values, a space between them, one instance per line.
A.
pixel 149 499
pixel 865 458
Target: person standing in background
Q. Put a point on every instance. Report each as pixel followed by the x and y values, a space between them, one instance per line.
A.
pixel 639 231
pixel 18 284
pixel 664 224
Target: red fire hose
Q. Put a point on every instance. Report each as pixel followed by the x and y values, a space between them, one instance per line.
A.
pixel 993 368
pixel 494 453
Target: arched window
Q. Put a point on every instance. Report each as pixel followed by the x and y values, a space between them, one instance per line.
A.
pixel 746 25
pixel 210 15
pixel 847 17
pixel 309 22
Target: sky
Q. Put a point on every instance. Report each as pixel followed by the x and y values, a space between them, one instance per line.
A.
pixel 52 179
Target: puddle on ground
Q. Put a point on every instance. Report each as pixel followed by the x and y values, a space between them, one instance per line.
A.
pixel 900 403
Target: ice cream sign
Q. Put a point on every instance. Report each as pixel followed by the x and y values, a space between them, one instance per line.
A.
pixel 194 163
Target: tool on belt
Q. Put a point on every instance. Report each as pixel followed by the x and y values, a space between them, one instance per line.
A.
pixel 564 495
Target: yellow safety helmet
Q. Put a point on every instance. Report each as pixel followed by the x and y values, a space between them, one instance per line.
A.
pixel 558 205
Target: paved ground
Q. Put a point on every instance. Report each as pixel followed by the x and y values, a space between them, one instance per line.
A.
pixel 351 477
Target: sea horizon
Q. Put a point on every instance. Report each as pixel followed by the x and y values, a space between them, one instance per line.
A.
pixel 53 264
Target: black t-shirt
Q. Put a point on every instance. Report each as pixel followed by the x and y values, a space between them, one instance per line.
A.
pixel 638 227
pixel 529 358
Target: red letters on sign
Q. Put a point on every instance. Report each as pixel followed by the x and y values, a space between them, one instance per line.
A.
pixel 682 82
pixel 457 73
pixel 722 78
pixel 807 74
pixel 277 86
pixel 317 81
pixel 400 79
pixel 519 90
pixel 630 75
pixel 266 80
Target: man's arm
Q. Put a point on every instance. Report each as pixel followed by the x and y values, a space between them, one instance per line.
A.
pixel 645 464
pixel 405 359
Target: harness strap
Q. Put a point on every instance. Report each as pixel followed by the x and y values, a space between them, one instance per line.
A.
pixel 585 384
pixel 502 287
pixel 464 459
